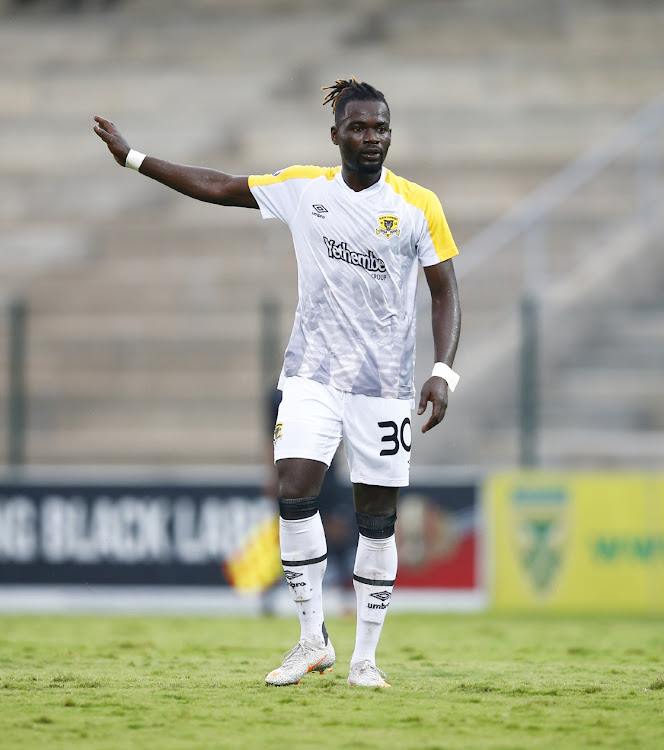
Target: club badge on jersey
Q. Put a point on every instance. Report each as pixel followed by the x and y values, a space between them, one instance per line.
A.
pixel 388 225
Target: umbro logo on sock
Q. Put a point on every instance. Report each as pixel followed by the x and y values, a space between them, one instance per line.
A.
pixel 290 574
pixel 382 595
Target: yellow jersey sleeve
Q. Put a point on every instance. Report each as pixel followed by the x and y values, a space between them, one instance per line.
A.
pixel 436 225
pixel 278 195
pixel 292 173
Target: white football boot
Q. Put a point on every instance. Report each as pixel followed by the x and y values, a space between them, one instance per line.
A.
pixel 367 674
pixel 304 658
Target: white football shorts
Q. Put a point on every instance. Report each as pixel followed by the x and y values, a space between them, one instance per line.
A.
pixel 313 418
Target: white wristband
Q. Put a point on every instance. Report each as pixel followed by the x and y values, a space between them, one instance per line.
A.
pixel 134 159
pixel 441 370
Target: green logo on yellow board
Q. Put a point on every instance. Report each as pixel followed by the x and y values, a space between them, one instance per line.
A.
pixel 540 529
pixel 648 548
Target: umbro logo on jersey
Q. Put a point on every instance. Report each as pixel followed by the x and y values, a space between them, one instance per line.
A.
pixel 318 210
pixel 382 595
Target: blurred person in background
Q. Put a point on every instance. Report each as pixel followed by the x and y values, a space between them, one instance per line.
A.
pixel 359 232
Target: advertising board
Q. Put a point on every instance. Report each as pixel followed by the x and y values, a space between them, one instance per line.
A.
pixel 576 542
pixel 221 534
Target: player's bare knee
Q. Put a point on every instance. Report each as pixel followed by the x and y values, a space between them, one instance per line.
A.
pixel 299 477
pixel 375 501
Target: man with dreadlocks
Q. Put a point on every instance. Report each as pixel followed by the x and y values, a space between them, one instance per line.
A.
pixel 358 232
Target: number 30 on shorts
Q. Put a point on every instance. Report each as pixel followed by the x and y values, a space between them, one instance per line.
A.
pixel 396 437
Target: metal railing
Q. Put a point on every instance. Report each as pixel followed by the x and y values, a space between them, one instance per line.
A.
pixel 15 310
pixel 529 217
pixel 529 222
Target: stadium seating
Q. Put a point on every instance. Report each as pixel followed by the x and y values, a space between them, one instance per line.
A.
pixel 145 307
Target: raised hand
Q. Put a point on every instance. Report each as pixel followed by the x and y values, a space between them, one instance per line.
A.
pixel 112 138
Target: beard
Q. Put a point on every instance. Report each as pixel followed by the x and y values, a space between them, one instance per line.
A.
pixel 367 170
pixel 370 168
pixel 367 167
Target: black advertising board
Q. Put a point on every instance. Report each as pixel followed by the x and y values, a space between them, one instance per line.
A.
pixel 124 534
pixel 184 533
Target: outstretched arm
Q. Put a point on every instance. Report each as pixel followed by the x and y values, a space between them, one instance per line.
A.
pixel 197 182
pixel 446 323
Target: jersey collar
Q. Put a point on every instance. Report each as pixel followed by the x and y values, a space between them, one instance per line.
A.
pixel 362 193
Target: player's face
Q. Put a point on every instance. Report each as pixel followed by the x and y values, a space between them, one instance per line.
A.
pixel 363 136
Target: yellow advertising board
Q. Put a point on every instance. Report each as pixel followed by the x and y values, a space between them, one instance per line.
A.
pixel 576 542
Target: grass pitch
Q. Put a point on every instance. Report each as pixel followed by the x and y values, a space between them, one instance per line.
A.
pixel 462 682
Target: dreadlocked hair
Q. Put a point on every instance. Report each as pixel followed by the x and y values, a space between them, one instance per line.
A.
pixel 344 91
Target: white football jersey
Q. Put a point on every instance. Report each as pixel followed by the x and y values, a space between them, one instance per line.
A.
pixel 357 256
